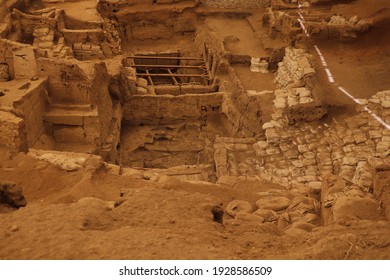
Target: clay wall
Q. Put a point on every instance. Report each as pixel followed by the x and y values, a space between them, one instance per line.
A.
pixel 17 4
pixel 109 146
pixel 381 187
pixel 74 23
pixel 242 111
pixel 5 20
pixel 163 109
pixel 164 28
pixel 82 88
pixel 12 135
pixel 69 80
pixel 94 36
pixel 233 4
pixel 101 97
pixel 20 59
pixel 22 106
pixel 31 107
pixel 28 23
pixel 155 22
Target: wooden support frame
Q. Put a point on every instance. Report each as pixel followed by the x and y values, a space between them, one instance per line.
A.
pixel 174 75
pixel 149 78
pixel 169 66
pixel 149 67
pixel 165 57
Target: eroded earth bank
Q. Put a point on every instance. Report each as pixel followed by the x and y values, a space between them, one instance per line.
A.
pixel 194 129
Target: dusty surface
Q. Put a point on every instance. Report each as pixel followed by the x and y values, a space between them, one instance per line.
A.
pixel 305 168
pixel 70 216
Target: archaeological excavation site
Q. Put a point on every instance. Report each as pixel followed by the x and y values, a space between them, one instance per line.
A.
pixel 195 129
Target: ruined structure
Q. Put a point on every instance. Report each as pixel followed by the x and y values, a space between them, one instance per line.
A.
pixel 164 88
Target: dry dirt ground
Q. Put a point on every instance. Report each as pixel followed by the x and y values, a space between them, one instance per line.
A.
pixel 82 215
pixel 97 215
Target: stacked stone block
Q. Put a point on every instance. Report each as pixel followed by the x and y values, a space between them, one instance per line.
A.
pixel 302 156
pixel 87 51
pixel 44 42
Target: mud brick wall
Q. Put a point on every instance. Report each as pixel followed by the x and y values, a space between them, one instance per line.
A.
pixel 12 134
pixel 162 109
pixel 242 111
pixel 5 20
pixel 20 59
pixel 73 82
pixel 101 99
pixel 94 36
pixel 162 29
pixel 382 187
pixel 87 51
pixel 233 4
pixel 163 20
pixel 31 108
pixel 68 82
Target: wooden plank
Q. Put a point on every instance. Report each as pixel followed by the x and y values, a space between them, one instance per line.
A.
pixel 166 57
pixel 170 66
pixel 175 75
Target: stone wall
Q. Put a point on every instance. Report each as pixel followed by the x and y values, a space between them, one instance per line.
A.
pixel 297 98
pixel 46 47
pixel 295 69
pixel 95 43
pixel 98 41
pixel 165 109
pixel 87 51
pixel 338 27
pixel 282 22
pixel 89 41
pixel 304 154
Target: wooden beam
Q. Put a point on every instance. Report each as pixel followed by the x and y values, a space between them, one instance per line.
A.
pixel 173 77
pixel 149 78
pixel 170 66
pixel 209 58
pixel 214 66
pixel 166 57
